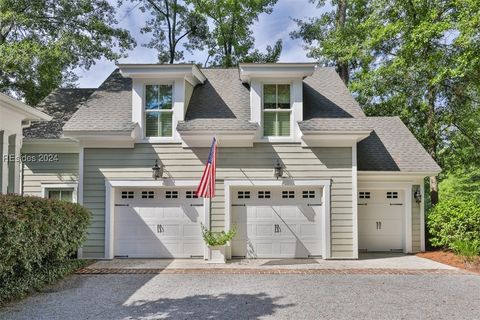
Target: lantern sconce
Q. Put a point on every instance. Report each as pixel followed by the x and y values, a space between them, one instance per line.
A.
pixel 418 196
pixel 278 169
pixel 157 171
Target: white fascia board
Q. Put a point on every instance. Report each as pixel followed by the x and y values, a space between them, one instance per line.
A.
pixel 189 72
pixel 104 139
pixel 275 70
pixel 62 145
pixel 30 113
pixel 372 175
pixel 333 138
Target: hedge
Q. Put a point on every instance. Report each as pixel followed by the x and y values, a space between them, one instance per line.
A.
pixel 454 220
pixel 39 238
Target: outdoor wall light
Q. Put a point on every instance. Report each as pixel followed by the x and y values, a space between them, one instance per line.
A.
pixel 418 196
pixel 278 169
pixel 157 171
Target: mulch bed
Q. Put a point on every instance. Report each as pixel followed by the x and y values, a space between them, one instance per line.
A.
pixel 450 258
pixel 91 271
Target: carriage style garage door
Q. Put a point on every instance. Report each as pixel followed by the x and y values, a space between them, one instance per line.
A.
pixel 380 220
pixel 158 223
pixel 277 222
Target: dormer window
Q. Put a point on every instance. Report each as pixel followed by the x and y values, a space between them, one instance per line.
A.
pixel 158 110
pixel 276 110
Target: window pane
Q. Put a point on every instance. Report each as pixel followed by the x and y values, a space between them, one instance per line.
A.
pixel 54 195
pixel 269 96
pixel 269 123
pixel 152 124
pixel 151 97
pixel 284 96
pixel 66 195
pixel 283 123
pixel 166 124
pixel 165 97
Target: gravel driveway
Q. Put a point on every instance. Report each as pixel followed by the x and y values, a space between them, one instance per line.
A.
pixel 190 296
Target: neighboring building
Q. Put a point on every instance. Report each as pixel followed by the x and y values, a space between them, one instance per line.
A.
pixel 349 182
pixel 14 116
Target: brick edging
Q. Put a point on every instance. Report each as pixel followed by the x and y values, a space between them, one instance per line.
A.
pixel 371 271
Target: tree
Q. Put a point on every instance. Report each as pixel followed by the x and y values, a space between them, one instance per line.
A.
pixel 172 23
pixel 42 40
pixel 231 37
pixel 336 38
pixel 272 55
pixel 415 59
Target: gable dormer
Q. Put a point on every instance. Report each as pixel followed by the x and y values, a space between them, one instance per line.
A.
pixel 160 96
pixel 276 98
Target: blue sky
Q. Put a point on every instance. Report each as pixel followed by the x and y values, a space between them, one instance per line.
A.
pixel 267 30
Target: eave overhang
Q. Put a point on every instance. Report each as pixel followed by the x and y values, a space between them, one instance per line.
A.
pixel 189 72
pixel 102 139
pixel 333 138
pixel 29 113
pixel 248 71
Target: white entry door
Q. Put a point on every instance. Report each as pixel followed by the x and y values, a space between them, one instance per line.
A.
pixel 277 222
pixel 158 223
pixel 381 220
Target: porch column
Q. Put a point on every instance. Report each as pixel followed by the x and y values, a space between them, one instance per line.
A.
pixel 4 162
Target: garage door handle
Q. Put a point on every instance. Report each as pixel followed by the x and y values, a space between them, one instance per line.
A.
pixel 238 205
pixel 396 204
pixel 196 205
pixel 314 204
pixel 121 204
pixel 379 225
pixel 159 228
pixel 362 204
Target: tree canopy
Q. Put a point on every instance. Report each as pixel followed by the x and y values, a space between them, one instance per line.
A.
pixel 42 40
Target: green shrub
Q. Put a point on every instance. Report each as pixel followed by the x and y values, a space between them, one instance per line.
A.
pixel 217 238
pixel 38 239
pixel 452 220
pixel 468 250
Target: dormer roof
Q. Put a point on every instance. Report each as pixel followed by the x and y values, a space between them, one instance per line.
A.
pixel 275 70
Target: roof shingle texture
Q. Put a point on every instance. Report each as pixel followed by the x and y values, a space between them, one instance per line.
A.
pixel 61 104
pixel 109 108
pixel 392 147
pixel 222 103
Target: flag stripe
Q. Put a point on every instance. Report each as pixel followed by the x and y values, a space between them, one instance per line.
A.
pixel 206 188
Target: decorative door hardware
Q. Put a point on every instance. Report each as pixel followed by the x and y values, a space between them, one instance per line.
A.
pixel 160 228
pixel 277 228
pixel 379 225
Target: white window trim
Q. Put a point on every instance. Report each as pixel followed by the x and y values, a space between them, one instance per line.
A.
pixel 110 186
pixel 324 184
pixel 290 110
pixel 144 111
pixel 73 186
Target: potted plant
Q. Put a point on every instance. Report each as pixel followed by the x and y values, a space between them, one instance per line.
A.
pixel 216 242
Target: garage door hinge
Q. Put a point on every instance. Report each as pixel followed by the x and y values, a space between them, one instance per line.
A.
pixel 121 204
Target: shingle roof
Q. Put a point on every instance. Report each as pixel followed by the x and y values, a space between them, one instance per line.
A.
pixel 109 108
pixel 392 147
pixel 336 124
pixel 61 104
pixel 326 96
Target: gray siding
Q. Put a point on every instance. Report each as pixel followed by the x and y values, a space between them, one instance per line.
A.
pixel 239 163
pixel 65 170
pixel 416 236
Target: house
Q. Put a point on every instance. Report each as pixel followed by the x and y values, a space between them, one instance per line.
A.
pixel 14 116
pixel 301 171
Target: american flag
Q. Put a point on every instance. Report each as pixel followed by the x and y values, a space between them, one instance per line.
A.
pixel 206 188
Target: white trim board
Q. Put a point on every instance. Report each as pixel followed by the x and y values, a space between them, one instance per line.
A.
pixel 325 184
pixel 110 186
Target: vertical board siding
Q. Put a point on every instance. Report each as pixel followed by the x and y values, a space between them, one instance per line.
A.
pixel 416 247
pixel 236 163
pixel 36 172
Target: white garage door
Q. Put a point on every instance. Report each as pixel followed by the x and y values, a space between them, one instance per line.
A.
pixel 380 220
pixel 277 222
pixel 158 223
